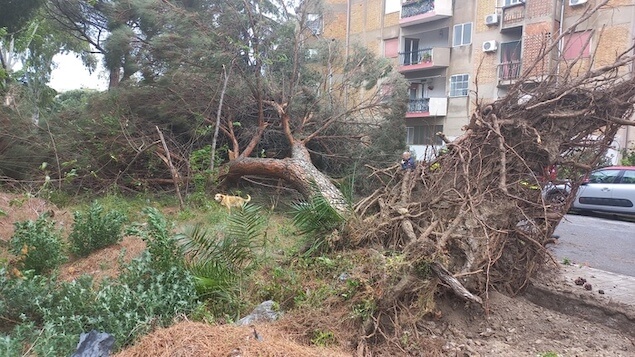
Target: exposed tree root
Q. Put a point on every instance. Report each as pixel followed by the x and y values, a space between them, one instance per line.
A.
pixel 476 217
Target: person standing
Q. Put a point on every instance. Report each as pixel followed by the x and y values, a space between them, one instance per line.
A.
pixel 407 162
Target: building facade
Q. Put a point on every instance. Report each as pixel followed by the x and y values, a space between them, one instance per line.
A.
pixel 455 52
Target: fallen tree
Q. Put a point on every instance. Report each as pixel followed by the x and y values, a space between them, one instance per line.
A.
pixel 476 217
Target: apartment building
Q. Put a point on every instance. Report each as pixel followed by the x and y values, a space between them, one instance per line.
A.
pixel 453 52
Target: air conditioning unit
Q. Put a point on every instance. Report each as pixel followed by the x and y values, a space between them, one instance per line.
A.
pixel 577 2
pixel 491 19
pixel 490 46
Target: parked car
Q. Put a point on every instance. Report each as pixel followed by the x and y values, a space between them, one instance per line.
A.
pixel 609 189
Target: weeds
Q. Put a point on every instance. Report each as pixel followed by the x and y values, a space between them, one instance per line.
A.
pixel 323 338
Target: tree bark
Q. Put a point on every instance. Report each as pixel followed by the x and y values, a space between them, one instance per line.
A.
pixel 298 171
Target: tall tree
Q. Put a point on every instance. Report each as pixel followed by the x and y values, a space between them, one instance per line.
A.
pixel 14 21
pixel 295 107
pixel 308 98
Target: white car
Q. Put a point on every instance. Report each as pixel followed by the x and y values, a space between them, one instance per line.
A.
pixel 609 189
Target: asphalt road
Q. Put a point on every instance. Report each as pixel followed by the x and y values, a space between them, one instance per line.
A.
pixel 603 242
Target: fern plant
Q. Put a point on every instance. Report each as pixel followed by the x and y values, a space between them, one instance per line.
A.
pixel 218 263
pixel 317 220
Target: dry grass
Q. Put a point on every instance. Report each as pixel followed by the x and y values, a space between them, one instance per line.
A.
pixel 188 338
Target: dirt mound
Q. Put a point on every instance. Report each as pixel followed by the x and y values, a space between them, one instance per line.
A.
pixel 17 208
pixel 199 339
pixel 105 262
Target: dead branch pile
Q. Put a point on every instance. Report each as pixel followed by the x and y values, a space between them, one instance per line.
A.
pixel 476 217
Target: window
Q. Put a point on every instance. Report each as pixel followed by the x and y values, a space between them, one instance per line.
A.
pixel 629 177
pixel 459 84
pixel 604 176
pixel 314 23
pixel 411 51
pixel 391 48
pixel 577 44
pixel 392 6
pixel 512 2
pixel 509 67
pixel 423 135
pixel 462 34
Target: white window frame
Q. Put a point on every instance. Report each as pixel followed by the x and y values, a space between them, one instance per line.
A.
pixel 512 2
pixel 460 28
pixel 410 135
pixel 463 90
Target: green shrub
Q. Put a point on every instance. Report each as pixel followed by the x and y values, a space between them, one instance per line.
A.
pixel 128 308
pixel 20 297
pixel 95 229
pixel 17 342
pixel 628 157
pixel 50 316
pixel 164 250
pixel 37 245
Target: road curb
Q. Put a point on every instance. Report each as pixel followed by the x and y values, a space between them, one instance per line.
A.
pixel 564 297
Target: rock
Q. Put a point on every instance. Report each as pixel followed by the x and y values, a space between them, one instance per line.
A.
pixel 579 281
pixel 265 312
pixel 601 292
pixel 487 333
pixel 94 344
pixel 588 286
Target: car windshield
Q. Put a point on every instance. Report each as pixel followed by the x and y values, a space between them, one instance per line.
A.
pixel 604 176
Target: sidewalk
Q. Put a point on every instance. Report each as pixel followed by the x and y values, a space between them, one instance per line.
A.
pixel 608 300
pixel 616 288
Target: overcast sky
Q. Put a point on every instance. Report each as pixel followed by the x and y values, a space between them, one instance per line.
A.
pixel 71 74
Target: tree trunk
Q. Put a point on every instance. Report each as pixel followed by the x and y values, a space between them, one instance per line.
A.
pixel 298 171
pixel 113 79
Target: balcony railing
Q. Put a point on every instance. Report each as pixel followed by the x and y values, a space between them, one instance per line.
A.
pixel 414 8
pixel 513 16
pixel 415 57
pixel 509 71
pixel 427 107
pixel 419 105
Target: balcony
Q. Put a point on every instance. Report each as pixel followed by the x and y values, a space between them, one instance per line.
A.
pixel 419 11
pixel 513 16
pixel 427 107
pixel 419 105
pixel 427 58
pixel 508 73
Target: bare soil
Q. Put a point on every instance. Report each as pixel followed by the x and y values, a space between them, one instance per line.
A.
pixel 507 327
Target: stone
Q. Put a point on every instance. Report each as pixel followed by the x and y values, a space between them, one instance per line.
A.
pixel 265 312
pixel 94 344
